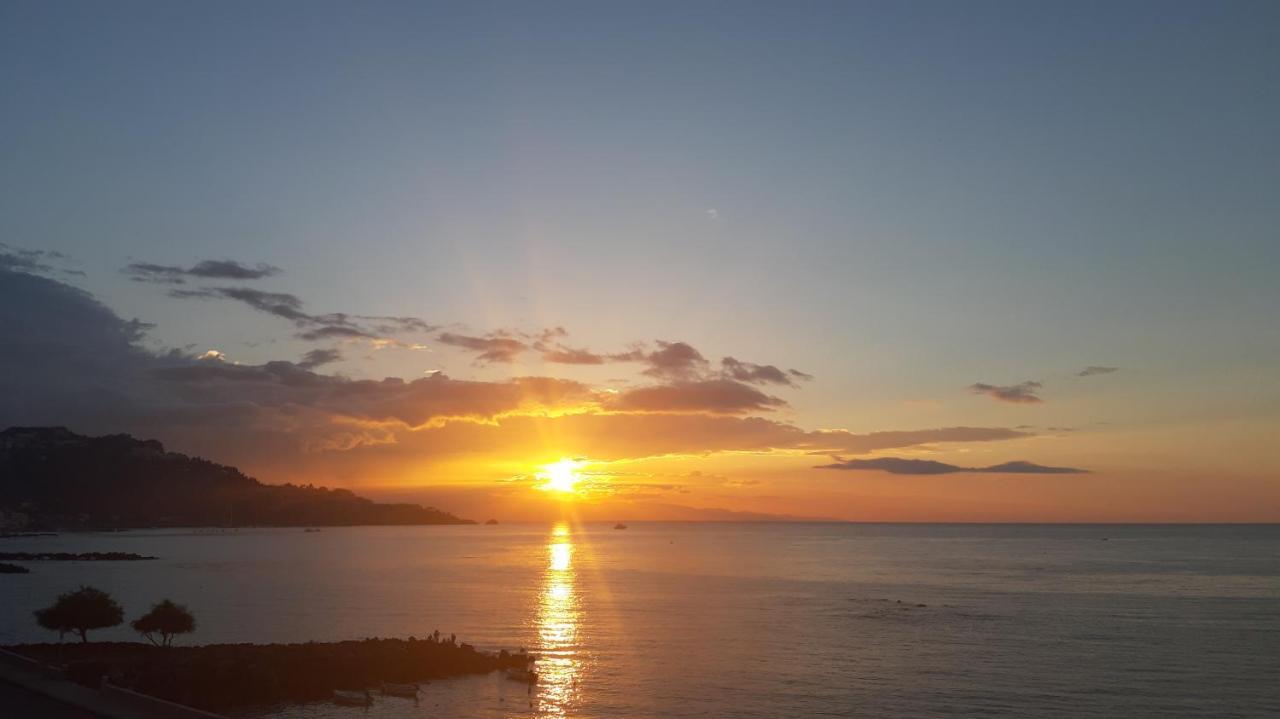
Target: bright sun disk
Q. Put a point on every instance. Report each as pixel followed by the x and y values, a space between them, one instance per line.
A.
pixel 560 476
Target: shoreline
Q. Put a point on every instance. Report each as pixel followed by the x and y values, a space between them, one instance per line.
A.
pixel 247 677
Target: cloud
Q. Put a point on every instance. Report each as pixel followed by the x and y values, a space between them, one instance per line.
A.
pixel 331 326
pixel 720 396
pixel 897 439
pixel 205 269
pixel 280 304
pixel 63 353
pixel 1021 393
pixel 334 332
pixel 758 373
pixel 672 360
pixel 391 325
pixel 898 465
pixel 570 355
pixel 317 357
pixel 289 386
pixel 36 262
pixel 492 348
pixel 78 364
pixel 1092 370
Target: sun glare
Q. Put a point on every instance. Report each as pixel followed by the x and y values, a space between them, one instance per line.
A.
pixel 560 476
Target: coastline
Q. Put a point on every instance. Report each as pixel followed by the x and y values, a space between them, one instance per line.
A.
pixel 243 678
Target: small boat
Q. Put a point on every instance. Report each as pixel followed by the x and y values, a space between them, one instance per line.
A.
pixel 352 699
pixel 408 691
pixel 528 676
pixel 619 525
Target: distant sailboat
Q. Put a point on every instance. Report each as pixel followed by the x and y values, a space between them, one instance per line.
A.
pixel 619 525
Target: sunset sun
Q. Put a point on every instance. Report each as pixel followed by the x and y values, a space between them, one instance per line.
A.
pixel 561 476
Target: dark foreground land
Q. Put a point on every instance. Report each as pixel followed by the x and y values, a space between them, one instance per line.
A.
pixel 224 677
pixel 73 557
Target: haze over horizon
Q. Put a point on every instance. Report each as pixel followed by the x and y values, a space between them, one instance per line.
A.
pixel 881 262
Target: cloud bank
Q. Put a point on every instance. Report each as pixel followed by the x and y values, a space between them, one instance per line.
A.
pixel 69 360
pixel 898 465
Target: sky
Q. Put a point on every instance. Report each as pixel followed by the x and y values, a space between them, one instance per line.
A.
pixel 879 261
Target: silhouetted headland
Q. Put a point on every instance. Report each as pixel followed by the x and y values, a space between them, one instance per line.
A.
pixel 227 677
pixel 51 477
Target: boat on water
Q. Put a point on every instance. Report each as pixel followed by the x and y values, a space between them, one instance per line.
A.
pixel 352 699
pixel 619 525
pixel 528 676
pixel 408 691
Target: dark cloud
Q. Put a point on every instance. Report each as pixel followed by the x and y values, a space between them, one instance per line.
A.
pixel 1021 393
pixel 897 465
pixel 1092 370
pixel 205 270
pixel 334 332
pixel 63 353
pixel 393 325
pixel 720 396
pixel 331 326
pixel 758 373
pixel 36 262
pixel 280 304
pixel 672 360
pixel 318 357
pixel 492 348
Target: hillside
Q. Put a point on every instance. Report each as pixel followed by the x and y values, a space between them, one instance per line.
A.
pixel 51 477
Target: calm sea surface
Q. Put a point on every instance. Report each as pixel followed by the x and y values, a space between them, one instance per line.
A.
pixel 743 620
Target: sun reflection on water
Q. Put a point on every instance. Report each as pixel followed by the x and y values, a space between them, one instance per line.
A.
pixel 559 612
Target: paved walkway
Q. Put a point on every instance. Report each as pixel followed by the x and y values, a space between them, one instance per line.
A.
pixel 46 694
pixel 20 702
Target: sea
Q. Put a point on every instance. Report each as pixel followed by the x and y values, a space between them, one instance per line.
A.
pixel 735 620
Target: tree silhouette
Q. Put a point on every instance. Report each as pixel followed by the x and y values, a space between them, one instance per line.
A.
pixel 79 611
pixel 165 619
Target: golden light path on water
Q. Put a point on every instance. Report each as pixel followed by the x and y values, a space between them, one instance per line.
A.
pixel 559 612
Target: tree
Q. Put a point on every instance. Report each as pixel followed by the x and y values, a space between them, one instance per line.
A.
pixel 79 611
pixel 165 619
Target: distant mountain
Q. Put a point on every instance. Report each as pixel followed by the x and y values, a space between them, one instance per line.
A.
pixel 51 477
